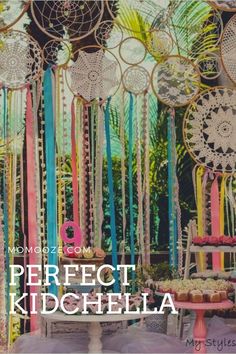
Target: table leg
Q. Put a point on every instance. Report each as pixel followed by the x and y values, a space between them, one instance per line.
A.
pixel 95 333
pixel 199 332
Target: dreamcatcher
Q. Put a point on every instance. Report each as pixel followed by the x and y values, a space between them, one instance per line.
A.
pixel 228 48
pixel 209 133
pixel 21 59
pixel 176 82
pixel 132 51
pixel 159 43
pixel 56 53
pixel 209 65
pixel 72 19
pixel 93 78
pixel 136 81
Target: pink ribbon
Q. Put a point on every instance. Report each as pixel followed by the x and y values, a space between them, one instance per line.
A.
pixel 32 199
pixel 74 167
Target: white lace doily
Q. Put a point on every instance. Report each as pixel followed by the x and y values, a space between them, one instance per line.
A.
pixel 228 48
pixel 75 19
pixel 210 129
pixel 94 75
pixel 136 79
pixel 209 65
pixel 20 59
pixel 108 34
pixel 11 11
pixel 175 81
pixel 160 43
pixel 224 5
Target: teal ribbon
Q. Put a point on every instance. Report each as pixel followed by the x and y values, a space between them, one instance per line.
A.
pixel 5 212
pixel 171 203
pixel 130 176
pixel 51 172
pixel 111 195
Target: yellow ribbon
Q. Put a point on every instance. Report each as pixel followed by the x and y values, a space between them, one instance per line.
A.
pixel 200 256
pixel 222 216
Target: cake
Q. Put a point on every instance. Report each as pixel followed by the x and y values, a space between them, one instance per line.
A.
pixel 196 296
pixel 182 295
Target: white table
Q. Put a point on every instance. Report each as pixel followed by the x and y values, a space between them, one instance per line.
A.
pixel 94 321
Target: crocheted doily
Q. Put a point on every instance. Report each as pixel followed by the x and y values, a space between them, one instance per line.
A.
pixel 175 81
pixel 136 79
pixel 228 48
pixel 20 59
pixel 210 129
pixel 94 75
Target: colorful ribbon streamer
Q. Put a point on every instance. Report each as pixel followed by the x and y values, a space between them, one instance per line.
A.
pixel 51 172
pixel 111 194
pixel 32 198
pixel 130 178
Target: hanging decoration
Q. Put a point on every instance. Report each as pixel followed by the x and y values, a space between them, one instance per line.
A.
pixel 209 65
pixel 68 20
pixel 136 79
pixel 94 74
pixel 175 81
pixel 21 59
pixel 132 51
pixel 160 43
pixel 228 48
pixel 210 128
pixel 56 53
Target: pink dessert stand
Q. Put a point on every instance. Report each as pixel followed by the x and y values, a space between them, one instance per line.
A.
pixel 200 330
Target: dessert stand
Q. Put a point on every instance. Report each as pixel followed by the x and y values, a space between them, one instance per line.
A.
pixel 94 325
pixel 200 330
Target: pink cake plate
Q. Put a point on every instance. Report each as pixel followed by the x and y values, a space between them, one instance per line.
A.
pixel 200 330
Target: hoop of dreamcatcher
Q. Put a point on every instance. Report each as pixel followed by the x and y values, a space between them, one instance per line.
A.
pixel 209 129
pixel 57 17
pixel 21 59
pixel 136 79
pixel 96 74
pixel 56 52
pixel 228 49
pixel 132 51
pixel 175 81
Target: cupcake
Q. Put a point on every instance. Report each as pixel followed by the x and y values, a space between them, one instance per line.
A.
pixel 99 253
pixel 88 254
